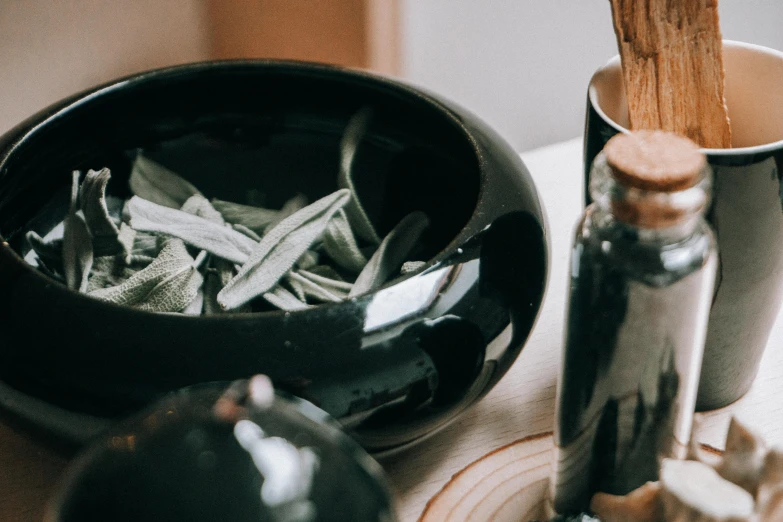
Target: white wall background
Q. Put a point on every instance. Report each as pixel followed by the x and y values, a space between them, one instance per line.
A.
pixel 50 49
pixel 524 65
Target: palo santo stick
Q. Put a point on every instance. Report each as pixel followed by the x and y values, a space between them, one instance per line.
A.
pixel 672 62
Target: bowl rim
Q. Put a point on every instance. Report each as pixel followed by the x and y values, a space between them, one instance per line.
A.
pixel 18 135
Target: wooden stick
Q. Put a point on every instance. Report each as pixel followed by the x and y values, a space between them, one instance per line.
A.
pixel 672 62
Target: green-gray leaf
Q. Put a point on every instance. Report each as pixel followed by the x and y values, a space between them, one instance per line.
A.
pixel 174 293
pixel 409 267
pixel 195 306
pixel 315 291
pixel 308 260
pixel 391 253
pixel 246 231
pixel 93 202
pixel 283 299
pixel 77 243
pixel 333 284
pixel 108 271
pixel 146 246
pixel 279 250
pixel 293 205
pixel 47 251
pixel 254 218
pixel 218 276
pixel 354 132
pixel 297 289
pixel 200 206
pixel 126 237
pixel 156 183
pixel 219 240
pixel 168 284
pixel 341 246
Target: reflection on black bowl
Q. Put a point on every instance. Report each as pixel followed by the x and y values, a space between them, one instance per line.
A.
pixel 180 461
pixel 393 365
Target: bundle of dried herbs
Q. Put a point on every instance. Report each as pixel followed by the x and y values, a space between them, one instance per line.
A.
pixel 170 249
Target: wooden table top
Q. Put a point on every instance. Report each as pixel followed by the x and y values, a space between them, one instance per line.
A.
pixel 522 404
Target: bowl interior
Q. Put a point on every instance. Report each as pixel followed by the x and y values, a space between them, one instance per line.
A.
pixel 253 133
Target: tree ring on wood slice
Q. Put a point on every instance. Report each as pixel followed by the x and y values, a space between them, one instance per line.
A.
pixel 509 484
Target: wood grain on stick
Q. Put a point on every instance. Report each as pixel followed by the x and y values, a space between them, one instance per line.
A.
pixel 672 58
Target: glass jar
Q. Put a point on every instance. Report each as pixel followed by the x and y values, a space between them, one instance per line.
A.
pixel 642 274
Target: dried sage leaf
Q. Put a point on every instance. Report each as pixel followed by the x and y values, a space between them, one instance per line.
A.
pixel 354 132
pixel 173 271
pixel 308 260
pixel 297 289
pixel 77 243
pixel 47 254
pixel 313 290
pixel 196 306
pixel 174 293
pixel 50 252
pixel 391 253
pixel 293 205
pixel 92 196
pixel 325 271
pixel 108 271
pixel 154 182
pixel 126 237
pixel 283 299
pixel 340 244
pixel 409 267
pixel 50 272
pixel 279 250
pixel 218 275
pixel 247 231
pixel 216 239
pixel 146 247
pixel 200 206
pixel 332 283
pixel 254 218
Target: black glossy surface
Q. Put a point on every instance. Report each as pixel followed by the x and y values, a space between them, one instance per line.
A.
pixel 628 382
pixel 747 216
pixel 393 365
pixel 179 461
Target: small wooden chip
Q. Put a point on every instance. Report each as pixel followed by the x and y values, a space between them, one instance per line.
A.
pixel 744 459
pixel 672 61
pixel 640 505
pixel 694 492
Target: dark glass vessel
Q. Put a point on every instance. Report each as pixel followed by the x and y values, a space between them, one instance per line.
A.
pixel 636 324
pixel 185 458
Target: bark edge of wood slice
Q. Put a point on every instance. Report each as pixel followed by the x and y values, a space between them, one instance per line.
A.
pixel 508 484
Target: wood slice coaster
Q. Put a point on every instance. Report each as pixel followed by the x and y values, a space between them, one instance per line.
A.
pixel 510 484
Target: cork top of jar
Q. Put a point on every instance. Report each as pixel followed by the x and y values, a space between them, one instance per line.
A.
pixel 655 160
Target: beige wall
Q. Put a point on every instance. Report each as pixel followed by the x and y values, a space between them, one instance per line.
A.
pixel 52 48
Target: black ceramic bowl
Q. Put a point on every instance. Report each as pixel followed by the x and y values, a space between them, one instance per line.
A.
pixel 393 365
pixel 179 460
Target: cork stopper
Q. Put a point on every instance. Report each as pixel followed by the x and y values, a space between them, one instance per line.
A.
pixel 655 160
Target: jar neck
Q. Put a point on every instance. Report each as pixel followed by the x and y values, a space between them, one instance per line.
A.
pixel 652 215
pixel 603 218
